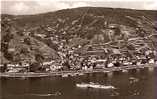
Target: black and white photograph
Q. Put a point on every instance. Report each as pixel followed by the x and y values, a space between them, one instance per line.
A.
pixel 78 49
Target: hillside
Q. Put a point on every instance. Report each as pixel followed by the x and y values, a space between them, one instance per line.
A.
pixel 80 29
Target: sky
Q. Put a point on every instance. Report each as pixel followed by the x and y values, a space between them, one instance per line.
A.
pixel 23 7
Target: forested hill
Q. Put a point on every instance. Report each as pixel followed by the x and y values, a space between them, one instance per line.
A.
pixel 39 37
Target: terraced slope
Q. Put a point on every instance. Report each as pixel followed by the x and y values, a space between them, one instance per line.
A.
pixel 30 36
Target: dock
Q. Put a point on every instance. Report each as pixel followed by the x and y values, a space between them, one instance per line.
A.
pixel 76 73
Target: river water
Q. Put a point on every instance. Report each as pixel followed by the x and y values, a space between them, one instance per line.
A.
pixel 131 85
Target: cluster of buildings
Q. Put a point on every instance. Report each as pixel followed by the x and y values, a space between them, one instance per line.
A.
pixel 79 56
pixel 70 60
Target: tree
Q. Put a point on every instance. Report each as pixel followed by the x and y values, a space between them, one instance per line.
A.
pixel 24 50
pixel 27 41
pixel 34 67
pixel 8 56
pixel 3 68
pixel 39 58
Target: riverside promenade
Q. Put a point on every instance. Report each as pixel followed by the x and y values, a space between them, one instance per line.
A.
pixel 150 67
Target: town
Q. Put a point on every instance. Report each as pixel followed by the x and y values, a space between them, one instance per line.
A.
pixel 112 46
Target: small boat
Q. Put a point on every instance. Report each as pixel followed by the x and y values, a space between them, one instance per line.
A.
pixel 65 75
pixel 94 85
pixel 133 80
pixel 42 95
pixel 124 71
pixel 83 85
pixel 80 74
pixel 47 95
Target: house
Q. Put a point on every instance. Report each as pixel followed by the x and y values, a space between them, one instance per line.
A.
pixel 55 67
pixel 110 65
pixel 40 35
pixel 11 49
pixel 48 63
pixel 151 61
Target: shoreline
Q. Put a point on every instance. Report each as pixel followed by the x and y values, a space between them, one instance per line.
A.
pixel 74 73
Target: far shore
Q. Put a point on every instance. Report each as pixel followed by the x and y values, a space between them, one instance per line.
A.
pixel 74 73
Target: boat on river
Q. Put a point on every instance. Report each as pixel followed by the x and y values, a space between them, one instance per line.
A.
pixel 94 85
pixel 46 95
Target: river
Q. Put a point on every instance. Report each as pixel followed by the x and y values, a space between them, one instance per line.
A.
pixel 129 85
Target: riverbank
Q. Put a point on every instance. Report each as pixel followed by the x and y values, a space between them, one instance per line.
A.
pixel 75 73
